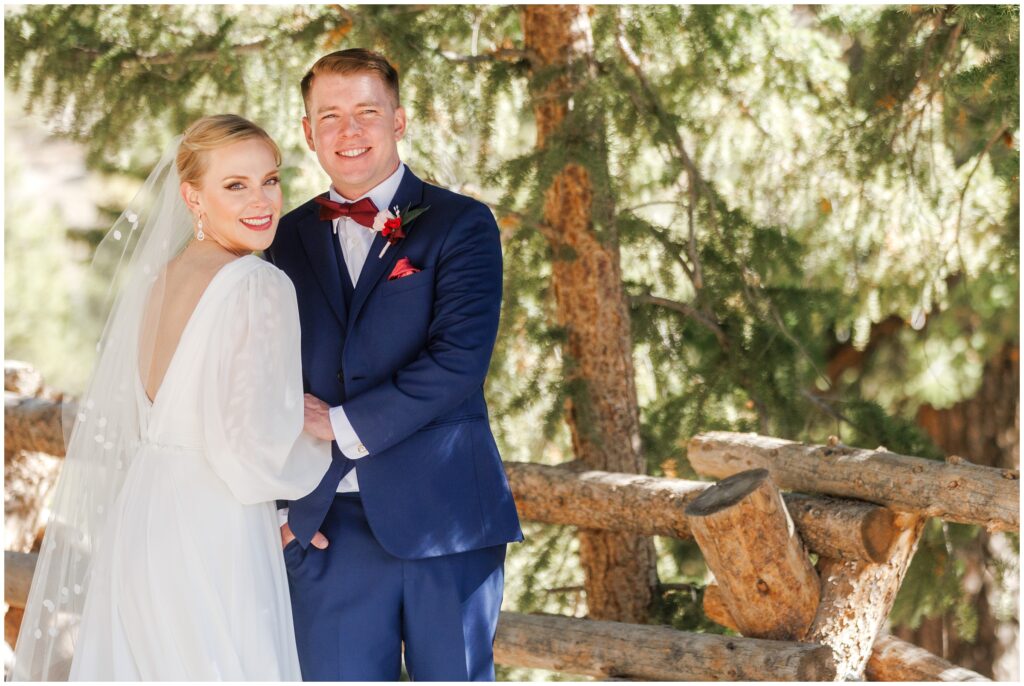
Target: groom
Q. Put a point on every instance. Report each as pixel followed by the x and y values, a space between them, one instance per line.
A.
pixel 403 542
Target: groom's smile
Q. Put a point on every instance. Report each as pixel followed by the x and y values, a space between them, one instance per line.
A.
pixel 353 153
pixel 354 123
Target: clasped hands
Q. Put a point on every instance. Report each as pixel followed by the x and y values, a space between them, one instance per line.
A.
pixel 317 423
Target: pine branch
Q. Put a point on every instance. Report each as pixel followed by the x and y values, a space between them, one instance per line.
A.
pixel 1000 130
pixel 689 311
pixel 514 55
pixel 176 57
pixel 653 104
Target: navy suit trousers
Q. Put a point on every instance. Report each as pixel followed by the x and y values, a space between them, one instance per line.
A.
pixel 353 604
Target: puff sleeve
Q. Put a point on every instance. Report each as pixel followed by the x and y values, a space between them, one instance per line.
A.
pixel 251 396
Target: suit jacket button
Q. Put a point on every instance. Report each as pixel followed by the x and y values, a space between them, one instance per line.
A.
pixel 341 377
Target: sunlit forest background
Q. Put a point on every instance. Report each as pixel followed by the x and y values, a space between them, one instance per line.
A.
pixel 811 215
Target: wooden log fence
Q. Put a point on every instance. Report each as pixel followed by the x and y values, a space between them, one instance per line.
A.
pixel 863 521
pixel 892 659
pixel 956 491
pixel 651 653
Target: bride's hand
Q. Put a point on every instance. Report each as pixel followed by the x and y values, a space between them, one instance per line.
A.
pixel 317 418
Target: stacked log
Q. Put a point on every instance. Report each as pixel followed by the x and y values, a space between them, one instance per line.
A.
pixel 857 592
pixel 632 651
pixel 749 543
pixel 856 597
pixel 891 658
pixel 956 492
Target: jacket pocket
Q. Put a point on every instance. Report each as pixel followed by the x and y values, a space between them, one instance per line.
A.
pixel 453 420
pixel 422 278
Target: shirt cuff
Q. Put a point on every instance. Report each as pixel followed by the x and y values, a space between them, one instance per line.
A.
pixel 282 516
pixel 345 436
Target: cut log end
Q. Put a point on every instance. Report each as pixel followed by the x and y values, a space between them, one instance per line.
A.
pixel 878 532
pixel 726 493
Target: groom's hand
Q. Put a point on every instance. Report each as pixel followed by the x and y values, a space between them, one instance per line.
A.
pixel 317 418
pixel 319 540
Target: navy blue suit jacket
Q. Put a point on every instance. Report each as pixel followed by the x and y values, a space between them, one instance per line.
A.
pixel 406 359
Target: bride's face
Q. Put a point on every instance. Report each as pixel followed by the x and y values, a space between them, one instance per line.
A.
pixel 239 197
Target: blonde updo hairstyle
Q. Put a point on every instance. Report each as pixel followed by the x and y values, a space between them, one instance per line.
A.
pixel 210 133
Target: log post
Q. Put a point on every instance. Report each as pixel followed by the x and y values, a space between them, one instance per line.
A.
pixel 715 608
pixel 749 543
pixel 896 660
pixel 840 528
pixel 18 570
pixel 856 597
pixel 22 378
pixel 957 492
pixel 891 658
pixel 632 651
pixel 32 424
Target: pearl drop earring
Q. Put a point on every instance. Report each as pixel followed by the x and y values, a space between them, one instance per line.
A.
pixel 199 225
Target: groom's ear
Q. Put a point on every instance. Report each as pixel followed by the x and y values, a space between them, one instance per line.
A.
pixel 307 129
pixel 399 122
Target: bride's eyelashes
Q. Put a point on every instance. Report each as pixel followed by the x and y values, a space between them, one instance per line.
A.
pixel 238 185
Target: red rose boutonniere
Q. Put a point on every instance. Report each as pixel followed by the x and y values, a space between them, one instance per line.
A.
pixel 391 224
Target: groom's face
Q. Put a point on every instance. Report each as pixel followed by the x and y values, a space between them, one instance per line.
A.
pixel 354 124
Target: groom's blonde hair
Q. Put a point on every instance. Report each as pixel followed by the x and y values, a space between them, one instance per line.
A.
pixel 210 133
pixel 352 61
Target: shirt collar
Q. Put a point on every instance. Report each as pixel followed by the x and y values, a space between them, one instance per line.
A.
pixel 381 194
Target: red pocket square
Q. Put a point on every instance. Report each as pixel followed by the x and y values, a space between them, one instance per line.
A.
pixel 402 268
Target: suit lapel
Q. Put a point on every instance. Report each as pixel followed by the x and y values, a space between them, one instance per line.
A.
pixel 409 194
pixel 318 241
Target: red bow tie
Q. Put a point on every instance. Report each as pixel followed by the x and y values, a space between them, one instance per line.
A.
pixel 362 211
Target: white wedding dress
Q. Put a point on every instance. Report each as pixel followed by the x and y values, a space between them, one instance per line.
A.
pixel 187 581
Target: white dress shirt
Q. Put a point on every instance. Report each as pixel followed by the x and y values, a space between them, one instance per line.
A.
pixel 355 240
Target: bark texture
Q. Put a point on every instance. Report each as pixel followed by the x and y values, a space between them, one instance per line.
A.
pixel 602 412
pixel 654 506
pixel 22 378
pixel 749 543
pixel 18 570
pixel 839 528
pixel 614 650
pixel 32 424
pixel 32 438
pixel 896 660
pixel 954 491
pixel 891 659
pixel 985 428
pixel 715 608
pixel 856 597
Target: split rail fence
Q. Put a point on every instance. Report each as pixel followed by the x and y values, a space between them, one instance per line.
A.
pixel 859 512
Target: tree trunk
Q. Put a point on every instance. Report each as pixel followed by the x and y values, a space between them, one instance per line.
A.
pixel 767 581
pixel 985 428
pixel 654 506
pixel 615 650
pixel 856 597
pixel 957 491
pixel 602 411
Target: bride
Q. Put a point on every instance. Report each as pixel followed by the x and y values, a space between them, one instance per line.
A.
pixel 162 557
